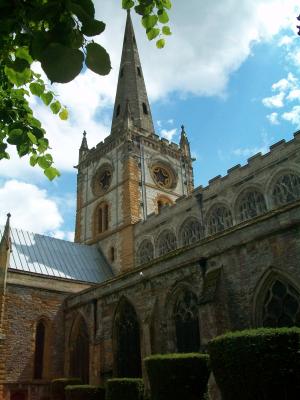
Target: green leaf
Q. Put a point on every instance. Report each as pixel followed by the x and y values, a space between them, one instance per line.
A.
pixel 15 136
pixel 163 16
pixel 97 59
pixel 18 78
pixel 34 122
pixel 36 88
pixel 92 27
pixel 32 137
pixel 23 149
pixel 167 4
pixel 152 33
pixel 55 107
pixel 43 162
pixel 160 43
pixel 149 21
pixel 87 6
pixel 60 63
pixel 47 98
pixel 166 30
pixel 127 4
pixel 64 114
pixel 23 53
pixel 51 173
pixel 18 65
pixel 43 145
pixel 33 160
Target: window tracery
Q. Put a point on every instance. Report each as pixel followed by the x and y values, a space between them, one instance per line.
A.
pixel 286 189
pixel 191 232
pixel 187 322
pixel 251 204
pixel 102 218
pixel 219 219
pixel 281 306
pixel 166 242
pixel 145 252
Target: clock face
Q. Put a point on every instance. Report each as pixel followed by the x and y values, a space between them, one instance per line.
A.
pixel 101 181
pixel 163 175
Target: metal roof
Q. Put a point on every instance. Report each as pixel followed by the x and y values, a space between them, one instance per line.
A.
pixel 45 255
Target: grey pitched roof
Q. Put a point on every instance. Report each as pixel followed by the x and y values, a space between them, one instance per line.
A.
pixel 45 255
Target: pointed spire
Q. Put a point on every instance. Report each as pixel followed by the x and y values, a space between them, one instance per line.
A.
pixel 131 86
pixel 84 145
pixel 5 243
pixel 184 143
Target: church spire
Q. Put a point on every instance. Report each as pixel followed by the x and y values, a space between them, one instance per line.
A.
pixel 131 89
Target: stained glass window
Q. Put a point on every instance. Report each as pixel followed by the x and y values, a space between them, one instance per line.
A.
pixel 219 219
pixel 39 350
pixel 145 252
pixel 281 306
pixel 250 205
pixel 187 323
pixel 128 354
pixel 166 242
pixel 286 189
pixel 191 232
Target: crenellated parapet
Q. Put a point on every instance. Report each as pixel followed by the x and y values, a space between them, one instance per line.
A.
pixel 266 183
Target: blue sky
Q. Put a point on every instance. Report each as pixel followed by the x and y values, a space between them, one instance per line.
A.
pixel 229 73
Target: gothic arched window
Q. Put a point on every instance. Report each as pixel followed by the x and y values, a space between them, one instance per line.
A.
pixel 251 204
pixel 281 306
pixel 39 354
pixel 145 252
pixel 191 231
pixel 286 189
pixel 79 352
pixel 127 336
pixel 187 322
pixel 219 219
pixel 166 242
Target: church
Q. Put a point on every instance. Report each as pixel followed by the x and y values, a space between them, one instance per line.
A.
pixel 157 265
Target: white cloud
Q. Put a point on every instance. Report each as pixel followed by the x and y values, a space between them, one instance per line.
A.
pixel 168 134
pixel 294 95
pixel 286 40
pixel 30 207
pixel 273 118
pixel 293 116
pixel 274 101
pixel 64 235
pixel 250 151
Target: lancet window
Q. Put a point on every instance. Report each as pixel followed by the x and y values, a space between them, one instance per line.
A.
pixel 281 306
pixel 145 252
pixel 191 231
pixel 219 219
pixel 128 351
pixel 79 352
pixel 39 354
pixel 102 218
pixel 187 322
pixel 166 242
pixel 286 189
pixel 251 204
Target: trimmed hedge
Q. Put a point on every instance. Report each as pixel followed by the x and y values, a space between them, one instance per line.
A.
pixel 58 387
pixel 178 376
pixel 257 364
pixel 86 392
pixel 124 389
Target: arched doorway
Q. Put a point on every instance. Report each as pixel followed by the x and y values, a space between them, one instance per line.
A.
pixel 79 351
pixel 127 342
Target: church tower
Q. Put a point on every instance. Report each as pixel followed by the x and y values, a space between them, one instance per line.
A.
pixel 133 173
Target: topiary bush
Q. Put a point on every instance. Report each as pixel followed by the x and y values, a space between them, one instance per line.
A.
pixel 124 389
pixel 58 387
pixel 84 392
pixel 257 364
pixel 178 376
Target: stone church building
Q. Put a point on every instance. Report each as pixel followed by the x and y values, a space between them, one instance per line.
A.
pixel 157 265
